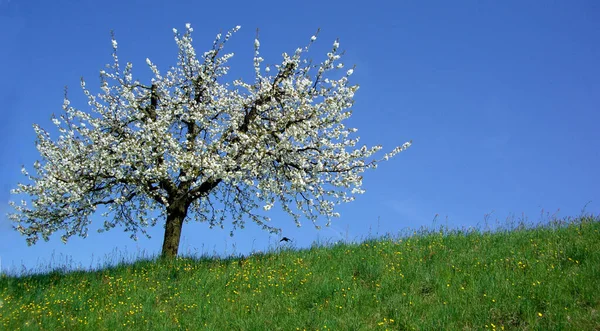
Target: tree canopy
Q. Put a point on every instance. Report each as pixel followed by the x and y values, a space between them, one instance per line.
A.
pixel 191 146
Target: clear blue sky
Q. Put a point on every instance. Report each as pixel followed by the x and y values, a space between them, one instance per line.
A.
pixel 501 100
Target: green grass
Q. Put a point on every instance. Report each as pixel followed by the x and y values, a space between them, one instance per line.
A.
pixel 527 278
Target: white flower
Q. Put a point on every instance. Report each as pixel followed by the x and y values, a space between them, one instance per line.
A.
pixel 313 38
pixel 340 65
pixel 256 43
pixel 350 72
pixel 336 44
pixel 114 43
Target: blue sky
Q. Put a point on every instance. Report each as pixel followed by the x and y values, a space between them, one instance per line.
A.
pixel 501 100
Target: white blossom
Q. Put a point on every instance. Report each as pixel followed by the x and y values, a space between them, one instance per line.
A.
pixel 190 139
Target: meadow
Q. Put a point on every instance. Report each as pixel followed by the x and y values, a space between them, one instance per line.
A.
pixel 538 277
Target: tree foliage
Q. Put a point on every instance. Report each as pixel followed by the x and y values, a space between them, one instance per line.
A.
pixel 194 147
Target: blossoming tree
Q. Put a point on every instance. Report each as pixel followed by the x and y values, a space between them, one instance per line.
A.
pixel 194 147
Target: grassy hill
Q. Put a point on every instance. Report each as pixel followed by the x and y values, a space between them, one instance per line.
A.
pixel 540 278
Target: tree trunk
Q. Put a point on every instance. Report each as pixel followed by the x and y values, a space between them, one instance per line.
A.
pixel 176 213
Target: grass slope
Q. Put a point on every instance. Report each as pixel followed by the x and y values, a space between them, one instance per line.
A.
pixel 543 278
